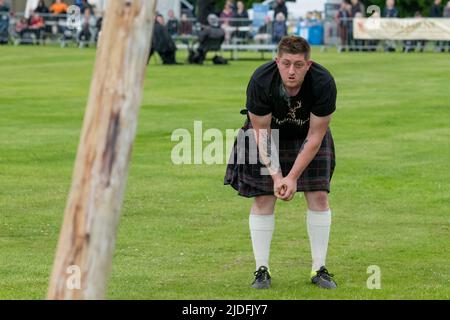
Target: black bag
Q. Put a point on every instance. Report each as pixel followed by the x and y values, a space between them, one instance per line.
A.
pixel 219 60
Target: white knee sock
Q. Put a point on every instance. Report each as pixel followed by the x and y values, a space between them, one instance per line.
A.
pixel 261 230
pixel 318 224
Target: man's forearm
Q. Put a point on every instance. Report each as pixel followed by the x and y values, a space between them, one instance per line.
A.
pixel 306 154
pixel 271 162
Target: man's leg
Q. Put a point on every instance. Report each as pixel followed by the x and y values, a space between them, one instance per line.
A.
pixel 318 225
pixel 262 224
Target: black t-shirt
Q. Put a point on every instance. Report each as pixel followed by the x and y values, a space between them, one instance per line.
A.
pixel 266 94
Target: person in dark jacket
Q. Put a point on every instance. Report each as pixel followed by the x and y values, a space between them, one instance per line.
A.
pixel 357 10
pixel 162 42
pixel 280 6
pixel 210 37
pixel 390 11
pixel 436 12
pixel 205 8
pixel 4 22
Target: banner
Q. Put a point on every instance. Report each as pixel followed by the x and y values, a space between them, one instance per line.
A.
pixel 401 29
pixel 260 11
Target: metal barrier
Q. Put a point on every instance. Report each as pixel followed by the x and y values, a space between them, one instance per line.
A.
pixel 240 34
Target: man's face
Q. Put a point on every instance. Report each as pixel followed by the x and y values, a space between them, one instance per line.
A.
pixel 160 20
pixel 292 68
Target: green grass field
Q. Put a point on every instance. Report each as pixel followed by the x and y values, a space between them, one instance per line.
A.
pixel 183 235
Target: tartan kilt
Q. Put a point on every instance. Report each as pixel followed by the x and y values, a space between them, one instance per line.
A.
pixel 247 180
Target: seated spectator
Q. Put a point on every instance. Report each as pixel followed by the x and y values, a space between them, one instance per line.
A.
pixel 59 7
pixel 88 18
pixel 21 28
pixel 42 8
pixel 437 13
pixel 411 45
pixel 343 20
pixel 4 22
pixel 265 32
pixel 279 28
pixel 185 25
pixel 447 15
pixel 241 17
pixel 36 25
pixel 225 17
pixel 162 42
pixel 390 11
pixel 226 14
pixel 4 8
pixel 43 11
pixel 172 23
pixel 210 38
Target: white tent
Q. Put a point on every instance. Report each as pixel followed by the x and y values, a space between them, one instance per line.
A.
pixel 164 6
pixel 30 7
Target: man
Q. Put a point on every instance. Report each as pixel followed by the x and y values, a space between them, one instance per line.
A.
pixel 210 38
pixel 437 13
pixel 280 6
pixel 390 11
pixel 4 22
pixel 162 42
pixel 173 25
pixel 357 9
pixel 295 96
pixel 59 7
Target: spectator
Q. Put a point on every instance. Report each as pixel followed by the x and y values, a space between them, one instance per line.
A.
pixel 437 13
pixel 447 15
pixel 265 32
pixel 88 22
pixel 241 17
pixel 390 11
pixel 173 24
pixel 59 7
pixel 225 16
pixel 4 8
pixel 410 45
pixel 343 20
pixel 279 28
pixel 36 25
pixel 210 38
pixel 21 26
pixel 280 6
pixel 42 8
pixel 185 25
pixel 162 42
pixel 357 10
pixel 4 22
pixel 85 5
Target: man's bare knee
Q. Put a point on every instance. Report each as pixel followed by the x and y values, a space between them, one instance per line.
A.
pixel 264 205
pixel 317 200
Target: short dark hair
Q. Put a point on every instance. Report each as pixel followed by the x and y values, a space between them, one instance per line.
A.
pixel 294 45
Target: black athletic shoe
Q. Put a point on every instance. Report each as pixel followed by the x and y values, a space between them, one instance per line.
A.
pixel 323 279
pixel 262 278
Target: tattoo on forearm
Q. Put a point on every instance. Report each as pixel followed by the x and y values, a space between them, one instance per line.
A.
pixel 268 153
pixel 303 145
